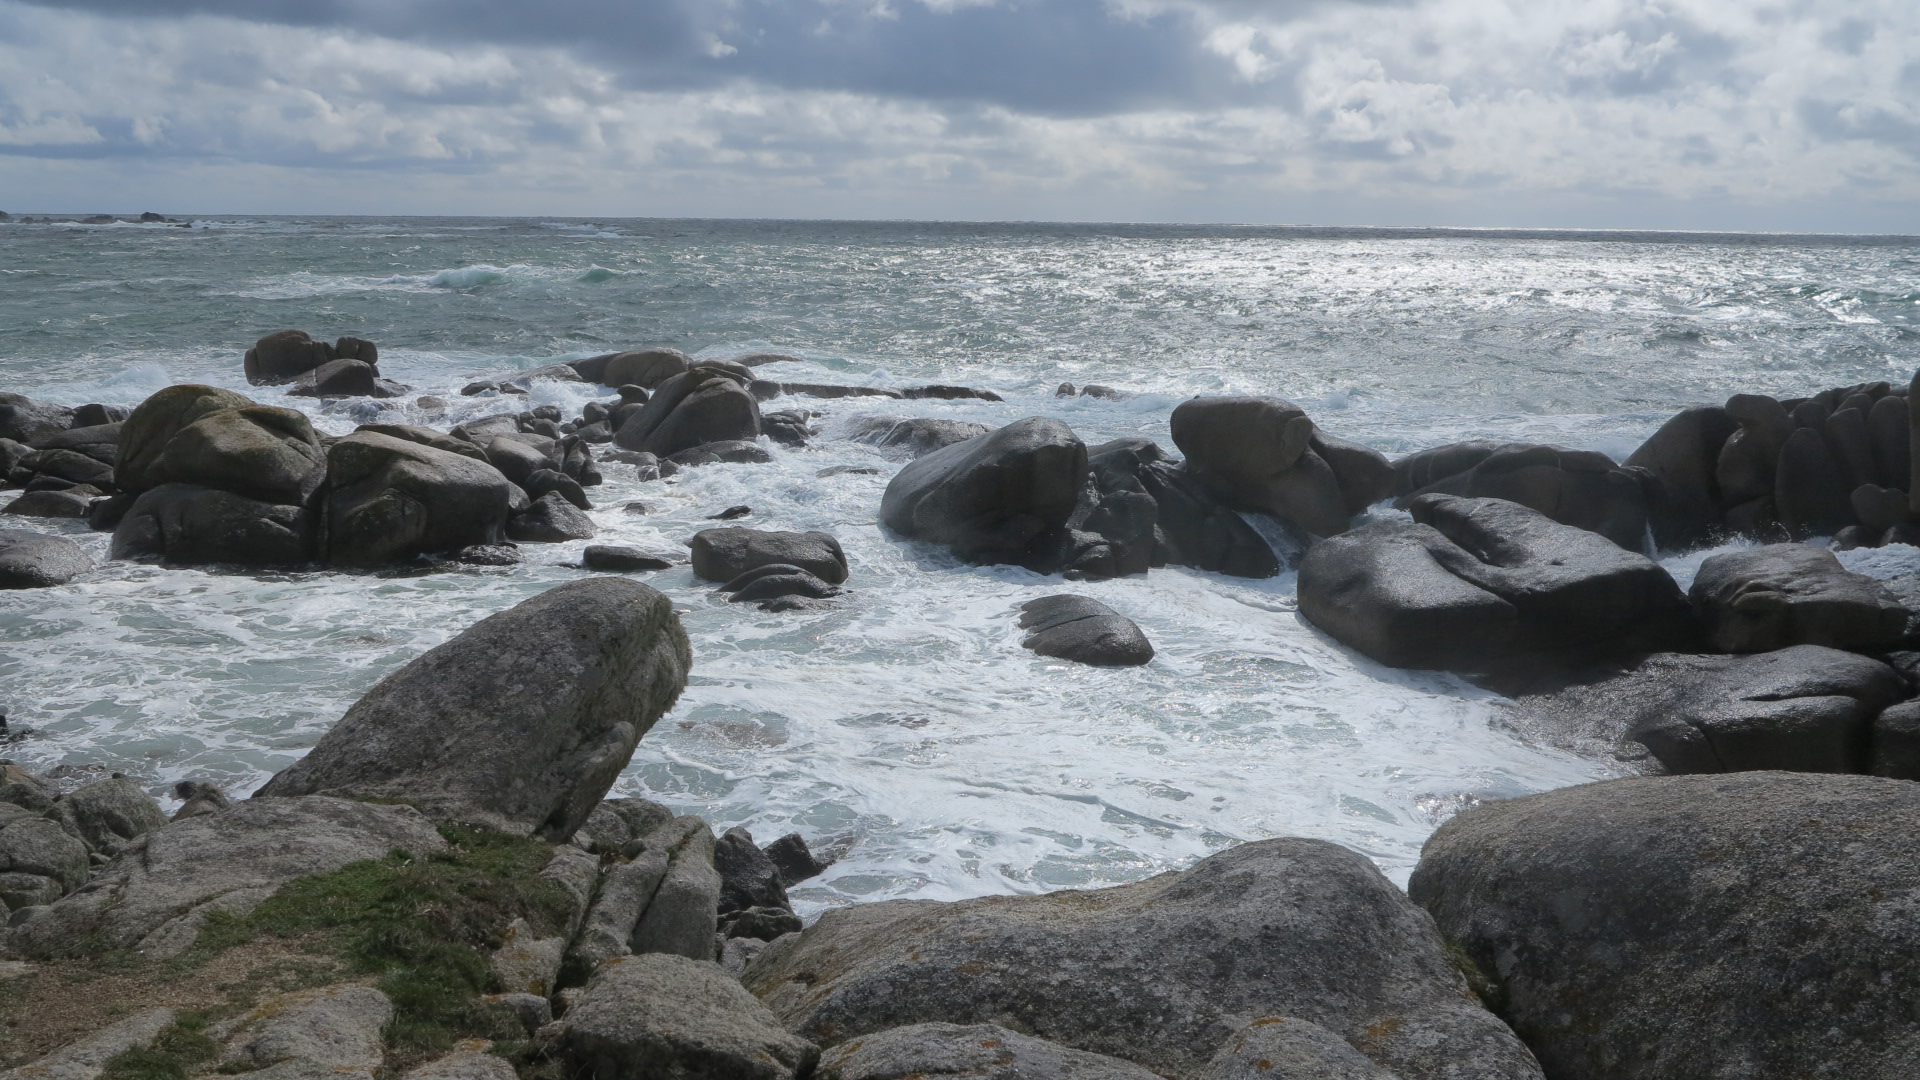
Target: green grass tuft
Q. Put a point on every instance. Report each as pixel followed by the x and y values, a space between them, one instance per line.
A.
pixel 174 1055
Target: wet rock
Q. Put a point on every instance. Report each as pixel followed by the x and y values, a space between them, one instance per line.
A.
pixel 563 373
pixel 970 1052
pixel 1887 434
pixel 1810 487
pixel 333 1029
pixel 389 500
pixel 993 499
pixel 847 470
pixel 1083 630
pixel 155 895
pixel 283 356
pixel 916 436
pixel 1191 527
pixel 542 481
pixel 11 455
pixel 777 580
pixel 646 368
pixel 24 420
pixel 762 359
pixel 794 860
pixel 1771 597
pixel 488 555
pixel 724 554
pixel 49 504
pixel 344 379
pixel 1161 972
pixel 1385 590
pixel 186 525
pixel 614 559
pixel 669 1016
pixel 1275 1047
pixel 550 520
pixel 198 797
pixel 731 513
pixel 789 427
pixel 231 448
pixel 748 879
pixel 521 723
pixel 100 441
pixel 948 393
pixel 705 404
pixel 1580 488
pixel 34 560
pixel 732 452
pixel 518 456
pixel 1688 927
pixel 108 814
pixel 765 389
pixel 88 1058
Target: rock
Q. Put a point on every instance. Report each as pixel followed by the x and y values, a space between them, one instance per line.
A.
pixel 524 381
pixel 732 513
pixel 704 404
pixel 732 451
pixel 1680 458
pixel 346 378
pixel 1771 597
pixel 667 1016
pixel 517 456
pixel 1161 972
pixel 626 892
pixel 390 500
pixel 466 1065
pixel 1580 488
pixel 1805 708
pixel 533 1011
pixel 684 914
pixel 542 481
pixel 748 879
pixel 39 861
pixel 789 427
pixel 107 814
pixel 488 555
pixel 777 580
pixel 24 420
pixel 1242 446
pixel 283 356
pixel 847 470
pixel 760 923
pixel 156 893
pixel 762 359
pixel 87 1059
pixel 69 465
pixel 738 953
pixel 526 964
pixel 948 393
pixel 335 1029
pixel 521 723
pixel 147 433
pixel 1896 742
pixel 1364 475
pixel 185 525
pixel 425 436
pixel 33 560
pixel 1693 927
pixel 724 554
pixel 100 441
pixel 1191 527
pixel 970 1052
pixel 11 455
pixel 992 499
pixel 1385 590
pixel 1811 487
pixel 1568 586
pixel 551 520
pixel 615 559
pixel 794 860
pixel 1887 433
pixel 24 789
pixel 764 389
pixel 917 436
pixel 49 504
pixel 1288 1048
pixel 198 797
pixel 646 368
pixel 1084 630
pixel 616 822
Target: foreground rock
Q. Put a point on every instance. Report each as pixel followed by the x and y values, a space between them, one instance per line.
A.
pixel 34 560
pixel 1161 972
pixel 1694 928
pixel 1792 594
pixel 389 500
pixel 1382 589
pixel 992 499
pixel 1084 630
pixel 1190 526
pixel 188 525
pixel 1285 1046
pixel 521 723
pixel 155 895
pixel 968 1052
pixel 725 554
pixel 29 422
pixel 39 861
pixel 331 1031
pixel 668 1016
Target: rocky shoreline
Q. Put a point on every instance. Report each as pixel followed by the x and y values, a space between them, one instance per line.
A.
pixel 440 888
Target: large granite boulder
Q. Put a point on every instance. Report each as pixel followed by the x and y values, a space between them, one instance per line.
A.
pixel 188 525
pixel 635 367
pixel 71 466
pixel 969 1052
pixel 101 442
pixel 145 436
pixel 667 1016
pixel 158 892
pixel 550 520
pixel 24 420
pixel 1771 597
pixel 36 560
pixel 1277 1047
pixel 707 403
pixel 1384 589
pixel 1581 488
pixel 1190 527
pixel 725 554
pixel 519 724
pixel 346 378
pixel 39 861
pixel 1680 459
pixel 1694 927
pixel 1257 454
pixel 994 498
pixel 283 356
pixel 389 500
pixel 106 815
pixel 1161 972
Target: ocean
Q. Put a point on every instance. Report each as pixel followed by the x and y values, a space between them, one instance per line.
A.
pixel 905 730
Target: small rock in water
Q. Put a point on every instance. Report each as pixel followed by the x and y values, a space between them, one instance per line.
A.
pixel 847 470
pixel 731 513
pixel 794 860
pixel 636 508
pixel 776 582
pixel 488 555
pixel 617 559
pixel 430 404
pixel 1065 389
pixel 1084 630
pixel 50 504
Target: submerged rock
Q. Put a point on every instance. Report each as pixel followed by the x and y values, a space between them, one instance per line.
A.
pixel 916 436
pixel 519 724
pixel 726 553
pixel 1084 630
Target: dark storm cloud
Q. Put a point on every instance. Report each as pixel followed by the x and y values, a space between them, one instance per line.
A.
pixel 1047 57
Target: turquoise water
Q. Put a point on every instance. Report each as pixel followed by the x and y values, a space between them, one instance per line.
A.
pixel 906 728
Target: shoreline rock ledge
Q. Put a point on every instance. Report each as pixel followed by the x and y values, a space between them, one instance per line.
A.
pixel 521 723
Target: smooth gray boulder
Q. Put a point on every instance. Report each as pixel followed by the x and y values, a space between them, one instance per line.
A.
pixel 1190 527
pixel 157 892
pixel 36 560
pixel 71 466
pixel 1084 630
pixel 707 403
pixel 100 441
pixel 724 554
pixel 1694 927
pixel 52 503
pixel 264 453
pixel 1770 597
pixel 425 436
pixel 389 500
pixel 1258 454
pixel 1680 458
pixel 145 434
pixel 1161 972
pixel 521 723
pixel 1289 1048
pixel 918 435
pixel 618 559
pixel 992 499
pixel 550 520
pixel 969 1052
pixel 39 861
pixel 283 356
pixel 795 861
pixel 635 367
pixel 1384 589
pixel 616 822
pixel 730 451
pixel 1579 488
pixel 189 525
pixel 24 420
pixel 667 1016
pixel 346 378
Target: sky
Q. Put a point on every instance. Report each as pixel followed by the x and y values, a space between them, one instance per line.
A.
pixel 1679 114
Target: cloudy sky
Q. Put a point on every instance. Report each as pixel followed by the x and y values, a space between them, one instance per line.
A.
pixel 1713 114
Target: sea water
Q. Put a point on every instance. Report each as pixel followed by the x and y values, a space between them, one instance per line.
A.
pixel 905 730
